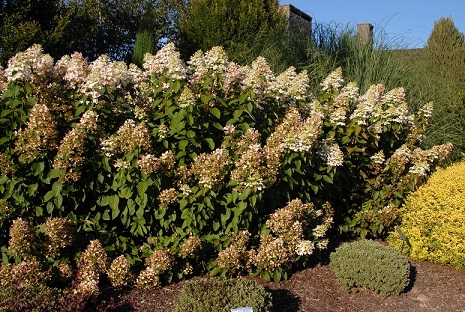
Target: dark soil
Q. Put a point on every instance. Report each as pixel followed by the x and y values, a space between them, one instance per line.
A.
pixel 433 288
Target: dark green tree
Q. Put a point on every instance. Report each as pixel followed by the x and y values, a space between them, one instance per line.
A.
pixel 204 24
pixel 442 67
pixel 157 26
pixel 25 22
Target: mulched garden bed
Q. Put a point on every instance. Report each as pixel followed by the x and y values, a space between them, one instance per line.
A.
pixel 433 288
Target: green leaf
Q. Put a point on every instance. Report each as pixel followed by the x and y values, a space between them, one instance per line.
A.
pixel 54 173
pixel 328 179
pixel 125 192
pixel 211 143
pixel 113 202
pixel 142 187
pixel 58 200
pixel 38 168
pixel 215 112
pixel 48 196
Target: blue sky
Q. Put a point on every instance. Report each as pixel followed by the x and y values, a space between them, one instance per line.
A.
pixel 408 22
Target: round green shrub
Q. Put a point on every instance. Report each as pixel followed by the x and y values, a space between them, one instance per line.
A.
pixel 371 265
pixel 222 294
pixel 433 219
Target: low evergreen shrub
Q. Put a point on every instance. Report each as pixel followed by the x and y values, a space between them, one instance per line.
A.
pixel 369 264
pixel 433 219
pixel 222 294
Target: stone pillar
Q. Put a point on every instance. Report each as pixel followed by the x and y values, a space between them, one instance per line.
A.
pixel 296 18
pixel 365 32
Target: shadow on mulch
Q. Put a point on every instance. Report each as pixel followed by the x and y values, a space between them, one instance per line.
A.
pixel 284 301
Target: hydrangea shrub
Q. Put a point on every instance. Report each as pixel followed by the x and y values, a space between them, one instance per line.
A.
pixel 203 160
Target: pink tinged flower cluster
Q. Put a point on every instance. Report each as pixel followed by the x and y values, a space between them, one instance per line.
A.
pixel 249 170
pixel 235 257
pixel 40 134
pixel 22 238
pixel 73 69
pixel 306 133
pixel 210 169
pixel 191 245
pixel 29 66
pixel 166 62
pixel 59 234
pixel 151 164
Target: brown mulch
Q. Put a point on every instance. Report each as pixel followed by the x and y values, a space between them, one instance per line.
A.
pixel 433 288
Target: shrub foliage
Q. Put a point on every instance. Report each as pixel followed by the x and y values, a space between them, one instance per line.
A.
pixel 433 219
pixel 222 294
pixel 368 264
pixel 189 167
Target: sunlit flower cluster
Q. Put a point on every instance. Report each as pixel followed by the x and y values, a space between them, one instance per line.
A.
pixel 22 238
pixel 187 98
pixel 72 69
pixel 330 152
pixel 59 234
pixel 166 61
pixel 306 133
pixel 105 74
pixel 148 278
pixel 378 158
pixel 248 169
pixel 160 260
pixel 259 78
pixel 91 263
pixel 208 64
pixel 129 138
pixel 26 274
pixel 190 246
pixel 40 134
pixel 29 65
pixel 167 197
pixel 333 81
pixel 273 253
pixel 71 153
pixel 119 272
pixel 291 86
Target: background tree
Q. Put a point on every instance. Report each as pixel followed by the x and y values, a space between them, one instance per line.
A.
pixel 25 22
pixel 92 27
pixel 157 26
pixel 442 72
pixel 204 24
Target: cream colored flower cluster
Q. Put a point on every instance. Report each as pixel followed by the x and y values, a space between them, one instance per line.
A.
pixel 165 163
pixel 234 258
pixel 22 238
pixel 166 62
pixel 210 169
pixel 29 66
pixel 167 197
pixel 40 134
pixel 159 261
pixel 70 155
pixel 129 137
pixel 191 245
pixel 73 69
pixel 59 234
pixel 119 272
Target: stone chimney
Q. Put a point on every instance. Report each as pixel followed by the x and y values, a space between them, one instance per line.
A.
pixel 365 32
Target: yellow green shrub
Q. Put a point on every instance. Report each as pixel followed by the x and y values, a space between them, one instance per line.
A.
pixel 433 219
